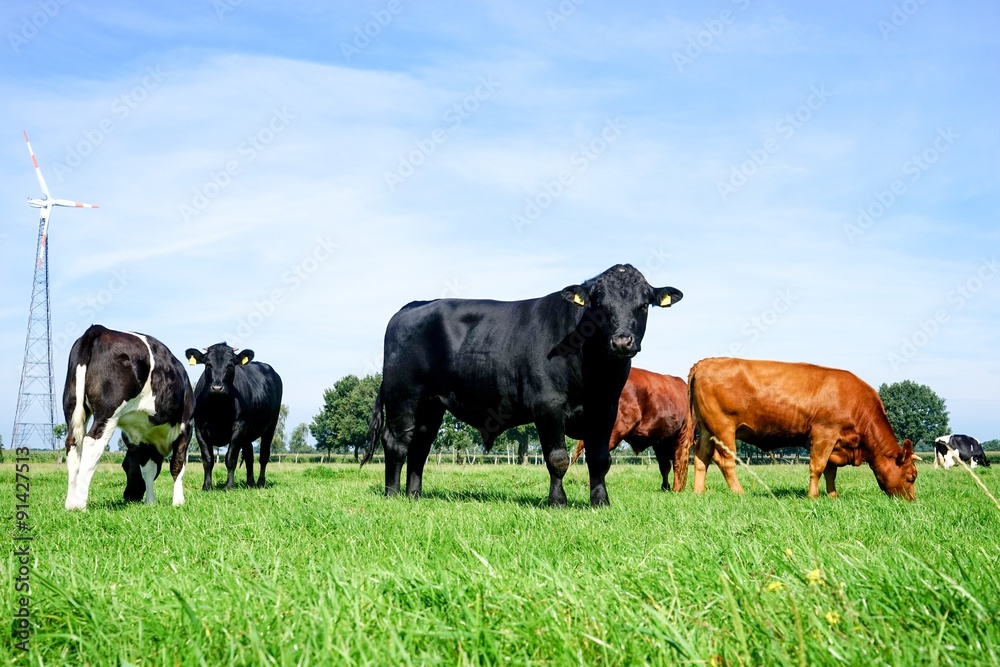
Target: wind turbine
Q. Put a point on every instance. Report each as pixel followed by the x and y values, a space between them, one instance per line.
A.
pixel 46 203
pixel 36 374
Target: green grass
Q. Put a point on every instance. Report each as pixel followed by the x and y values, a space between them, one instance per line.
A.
pixel 319 568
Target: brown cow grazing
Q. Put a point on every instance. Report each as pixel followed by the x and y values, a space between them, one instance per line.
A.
pixel 774 404
pixel 653 412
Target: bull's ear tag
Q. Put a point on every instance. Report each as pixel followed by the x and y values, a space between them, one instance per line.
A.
pixel 244 361
pixel 666 300
pixel 192 361
pixel 578 300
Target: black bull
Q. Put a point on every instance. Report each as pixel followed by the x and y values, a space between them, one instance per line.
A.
pixel 559 361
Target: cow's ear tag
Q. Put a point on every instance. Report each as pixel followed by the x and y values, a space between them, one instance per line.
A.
pixel 192 360
pixel 666 300
pixel 244 361
pixel 578 300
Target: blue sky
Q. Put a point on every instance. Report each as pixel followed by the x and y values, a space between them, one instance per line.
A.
pixel 820 180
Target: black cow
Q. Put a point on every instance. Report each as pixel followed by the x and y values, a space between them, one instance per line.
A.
pixel 236 402
pixel 131 381
pixel 949 449
pixel 559 361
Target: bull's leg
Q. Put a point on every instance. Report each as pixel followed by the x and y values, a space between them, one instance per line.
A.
pixel 248 458
pixel 207 460
pixel 553 441
pixel 830 474
pixel 428 422
pixel 93 446
pixel 400 428
pixel 265 453
pixel 232 460
pixel 664 459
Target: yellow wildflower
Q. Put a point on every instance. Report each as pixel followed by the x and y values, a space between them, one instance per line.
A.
pixel 788 552
pixel 775 586
pixel 816 577
pixel 832 617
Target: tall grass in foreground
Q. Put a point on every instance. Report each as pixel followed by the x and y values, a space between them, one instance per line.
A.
pixel 319 568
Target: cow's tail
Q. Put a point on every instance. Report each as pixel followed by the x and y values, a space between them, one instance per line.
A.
pixel 685 440
pixel 74 400
pixel 375 426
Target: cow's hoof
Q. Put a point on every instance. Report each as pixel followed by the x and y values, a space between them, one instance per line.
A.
pixel 75 505
pixel 260 484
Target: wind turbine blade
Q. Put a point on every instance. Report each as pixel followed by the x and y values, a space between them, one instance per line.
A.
pixel 38 170
pixel 67 202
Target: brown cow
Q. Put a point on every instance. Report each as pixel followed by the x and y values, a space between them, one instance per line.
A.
pixel 653 412
pixel 774 404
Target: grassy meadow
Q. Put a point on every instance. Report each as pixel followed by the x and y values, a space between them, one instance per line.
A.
pixel 321 569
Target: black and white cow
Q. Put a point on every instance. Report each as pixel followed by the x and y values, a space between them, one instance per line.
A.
pixel 236 402
pixel 949 449
pixel 129 381
pixel 559 361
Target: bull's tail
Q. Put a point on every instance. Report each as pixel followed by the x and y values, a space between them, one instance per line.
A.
pixel 685 440
pixel 375 426
pixel 576 452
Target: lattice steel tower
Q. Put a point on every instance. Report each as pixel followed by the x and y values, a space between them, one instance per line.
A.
pixel 35 415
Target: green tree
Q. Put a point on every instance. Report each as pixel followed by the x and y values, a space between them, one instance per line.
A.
pixel 520 436
pixel 279 445
pixel 915 412
pixel 60 431
pixel 342 424
pixel 1 449
pixel 297 443
pixel 456 436
pixel 988 446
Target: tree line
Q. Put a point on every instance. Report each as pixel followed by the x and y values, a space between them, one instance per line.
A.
pixel 914 410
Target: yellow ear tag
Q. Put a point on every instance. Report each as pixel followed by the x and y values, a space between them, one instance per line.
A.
pixel 666 300
pixel 578 300
pixel 244 361
pixel 192 360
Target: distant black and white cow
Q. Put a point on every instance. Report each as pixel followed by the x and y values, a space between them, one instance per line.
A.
pixel 237 400
pixel 131 381
pixel 559 361
pixel 949 449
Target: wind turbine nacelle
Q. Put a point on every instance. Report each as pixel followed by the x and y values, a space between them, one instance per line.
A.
pixel 38 203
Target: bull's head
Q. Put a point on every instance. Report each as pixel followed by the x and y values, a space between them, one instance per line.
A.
pixel 618 301
pixel 220 362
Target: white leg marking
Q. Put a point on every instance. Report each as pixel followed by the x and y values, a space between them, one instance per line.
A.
pixel 89 457
pixel 148 476
pixel 179 488
pixel 73 467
